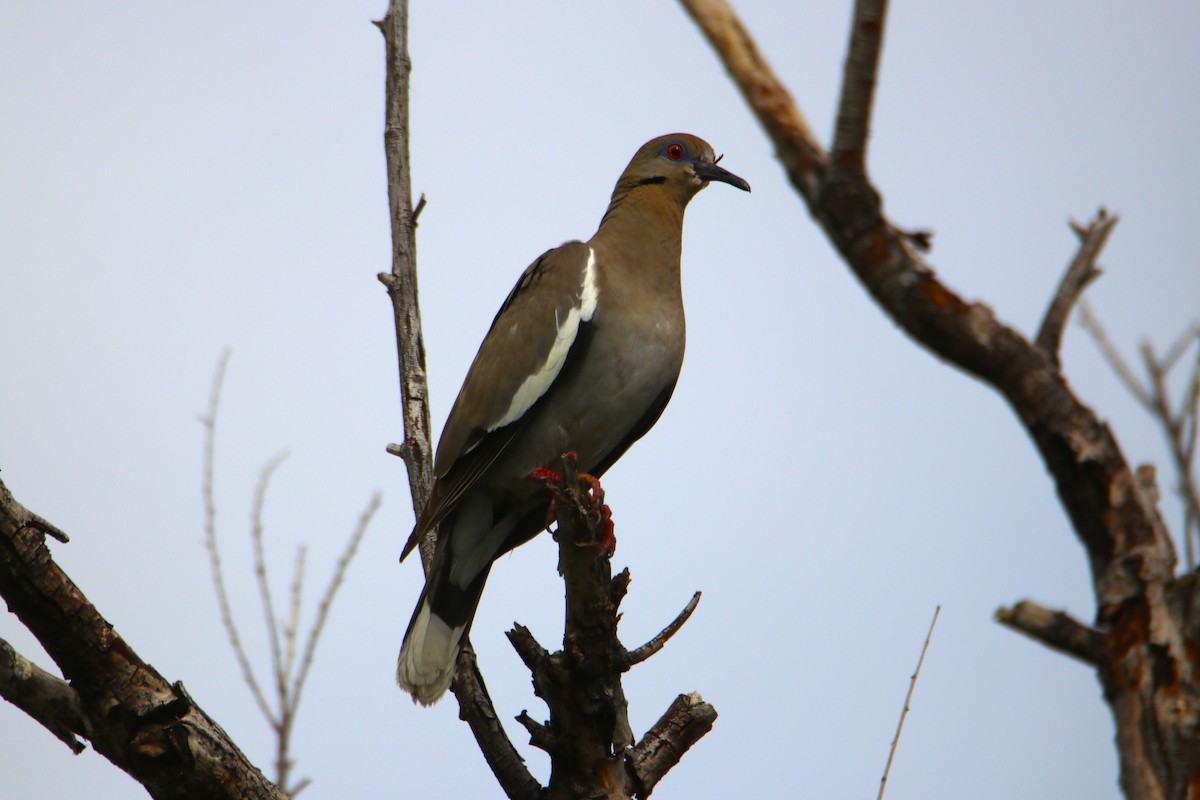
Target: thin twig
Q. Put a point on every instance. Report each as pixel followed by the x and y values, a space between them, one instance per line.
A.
pixel 912 684
pixel 1190 409
pixel 651 647
pixel 1180 345
pixel 209 421
pixel 260 575
pixel 1089 320
pixel 292 632
pixel 1179 428
pixel 858 85
pixel 1080 272
pixel 335 581
pixel 289 695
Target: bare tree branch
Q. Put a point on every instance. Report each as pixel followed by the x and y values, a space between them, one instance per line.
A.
pixel 335 582
pixel 209 421
pixel 1112 355
pixel 588 735
pixel 796 146
pixel 858 85
pixel 47 528
pixel 283 645
pixel 686 722
pixel 1057 630
pixel 1148 671
pixel 1185 340
pixel 264 587
pixel 133 717
pixel 1080 272
pixel 1179 428
pixel 475 705
pixel 47 699
pixel 291 632
pixel 476 709
pixel 660 640
pixel 1094 481
pixel 912 684
pixel 1180 440
pixel 401 282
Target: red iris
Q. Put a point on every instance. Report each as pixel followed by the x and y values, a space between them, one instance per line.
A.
pixel 675 151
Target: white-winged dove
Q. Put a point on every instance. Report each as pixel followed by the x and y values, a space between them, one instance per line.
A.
pixel 583 356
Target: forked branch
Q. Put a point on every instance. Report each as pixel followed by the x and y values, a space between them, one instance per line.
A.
pixel 133 717
pixel 1148 664
pixel 1080 272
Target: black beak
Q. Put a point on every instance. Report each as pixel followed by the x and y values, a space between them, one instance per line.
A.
pixel 711 172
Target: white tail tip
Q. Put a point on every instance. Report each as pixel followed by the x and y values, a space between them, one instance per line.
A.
pixel 427 657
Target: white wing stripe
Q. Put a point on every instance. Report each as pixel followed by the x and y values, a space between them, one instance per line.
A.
pixel 536 384
pixel 590 292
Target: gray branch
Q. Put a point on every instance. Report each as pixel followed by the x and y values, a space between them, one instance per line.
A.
pixel 1057 630
pixel 48 699
pixel 1080 272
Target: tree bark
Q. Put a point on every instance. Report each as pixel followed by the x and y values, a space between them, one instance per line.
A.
pixel 588 737
pixel 133 717
pixel 1145 616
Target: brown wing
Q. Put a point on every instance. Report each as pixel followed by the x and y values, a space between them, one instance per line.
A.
pixel 517 363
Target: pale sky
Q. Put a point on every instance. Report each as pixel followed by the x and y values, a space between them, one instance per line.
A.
pixel 182 177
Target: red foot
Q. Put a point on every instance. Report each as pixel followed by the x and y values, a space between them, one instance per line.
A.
pixel 608 539
pixel 552 480
pixel 549 479
pixel 543 475
pixel 594 487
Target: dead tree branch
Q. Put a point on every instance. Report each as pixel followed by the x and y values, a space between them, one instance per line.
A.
pixel 1179 426
pixel 287 676
pixel 635 657
pixel 1057 630
pixel 475 705
pixel 401 282
pixel 1081 272
pixel 685 722
pixel 588 735
pixel 858 85
pixel 47 699
pixel 1150 667
pixel 133 717
pixel 209 421
pixel 912 684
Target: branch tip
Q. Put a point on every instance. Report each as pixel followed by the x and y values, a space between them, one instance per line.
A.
pixel 651 647
pixel 1057 630
pixel 859 76
pixel 912 684
pixel 1079 274
pixel 683 724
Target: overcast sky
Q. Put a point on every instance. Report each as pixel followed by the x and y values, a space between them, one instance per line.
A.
pixel 182 177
